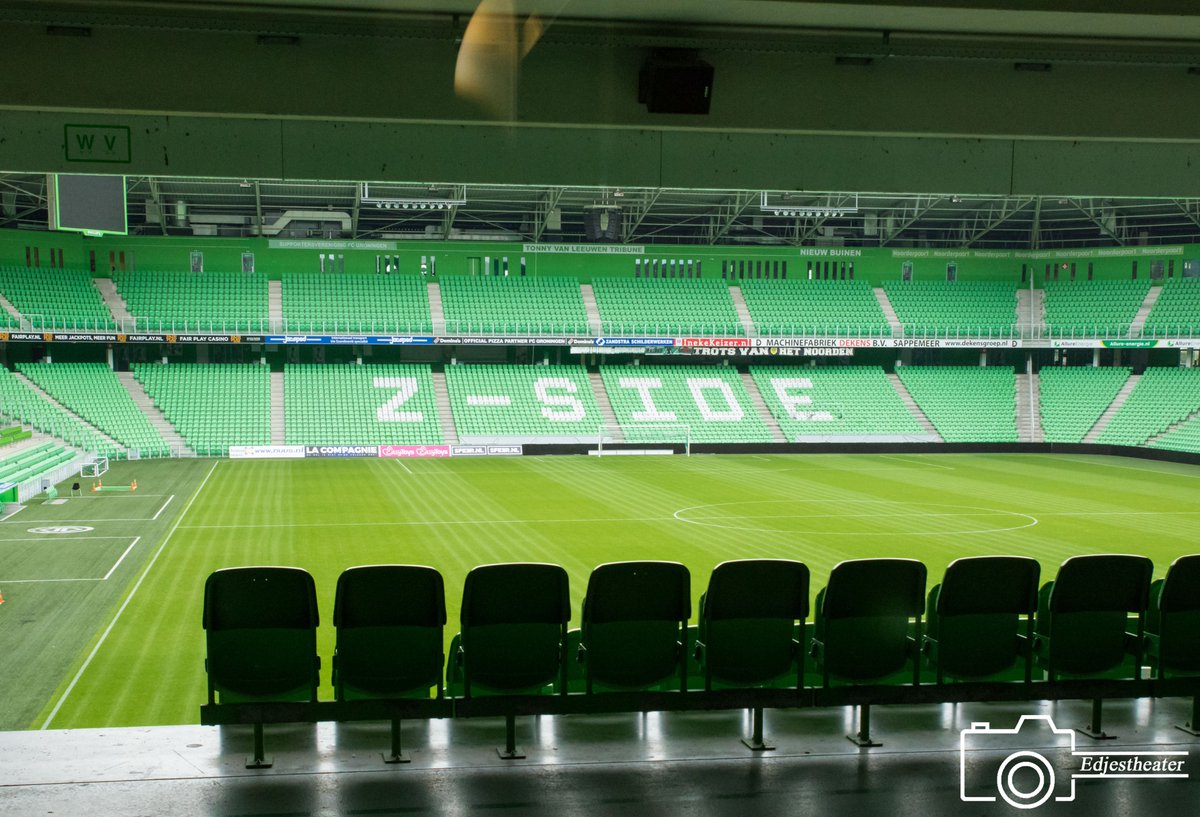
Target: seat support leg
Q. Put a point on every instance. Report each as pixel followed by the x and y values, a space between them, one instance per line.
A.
pixel 1192 727
pixel 755 742
pixel 863 736
pixel 511 750
pixel 260 759
pixel 1095 729
pixel 397 755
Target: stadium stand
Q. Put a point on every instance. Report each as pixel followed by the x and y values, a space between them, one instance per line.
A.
pixel 653 402
pixel 92 391
pixel 513 305
pixel 547 403
pixel 640 306
pixel 191 302
pixel 836 401
pixel 1161 398
pixel 32 463
pixel 1093 308
pixel 1184 438
pixel 1073 398
pixel 846 308
pixel 954 308
pixel 54 299
pixel 240 414
pixel 23 404
pixel 360 405
pixel 13 434
pixel 1177 310
pixel 355 303
pixel 965 403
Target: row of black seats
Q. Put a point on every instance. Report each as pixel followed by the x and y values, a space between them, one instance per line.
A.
pixel 987 629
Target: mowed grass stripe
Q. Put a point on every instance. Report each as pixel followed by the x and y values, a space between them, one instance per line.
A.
pixel 309 514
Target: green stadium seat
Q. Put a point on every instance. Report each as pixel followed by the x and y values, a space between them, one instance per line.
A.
pixel 1173 621
pixel 355 303
pixel 184 393
pixel 665 307
pixel 347 404
pixel 189 302
pixel 1072 398
pixel 537 305
pixel 954 308
pixel 834 401
pixel 1161 398
pixel 973 629
pixel 54 299
pixel 634 626
pixel 965 403
pixel 550 403
pixel 1083 618
pixel 1093 308
pixel 669 403
pixel 1176 313
pixel 814 308
pixel 862 630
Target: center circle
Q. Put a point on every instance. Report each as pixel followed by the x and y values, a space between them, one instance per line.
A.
pixel 853 517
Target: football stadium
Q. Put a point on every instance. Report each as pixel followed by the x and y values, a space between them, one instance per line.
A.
pixel 421 408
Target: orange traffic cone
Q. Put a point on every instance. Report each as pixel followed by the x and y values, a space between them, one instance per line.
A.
pixel 1 598
pixel 133 485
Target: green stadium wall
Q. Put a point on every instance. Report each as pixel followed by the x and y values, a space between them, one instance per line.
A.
pixel 277 257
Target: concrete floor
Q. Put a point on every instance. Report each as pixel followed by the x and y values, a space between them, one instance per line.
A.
pixel 626 765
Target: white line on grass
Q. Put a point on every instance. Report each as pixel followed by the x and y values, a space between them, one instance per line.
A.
pixel 14 513
pixel 88 661
pixel 432 523
pixel 915 462
pixel 80 521
pixel 131 495
pixel 402 465
pixel 113 569
pixel 163 508
pixel 44 581
pixel 51 537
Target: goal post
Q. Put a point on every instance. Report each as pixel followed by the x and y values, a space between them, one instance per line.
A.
pixel 94 466
pixel 646 434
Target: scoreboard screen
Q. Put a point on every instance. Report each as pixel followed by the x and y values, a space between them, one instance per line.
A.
pixel 94 205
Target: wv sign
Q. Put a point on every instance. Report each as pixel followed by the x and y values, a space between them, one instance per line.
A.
pixel 97 143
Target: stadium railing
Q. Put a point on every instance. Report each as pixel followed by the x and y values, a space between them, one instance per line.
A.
pixel 911 669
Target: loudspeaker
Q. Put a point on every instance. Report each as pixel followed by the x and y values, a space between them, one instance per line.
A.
pixel 602 224
pixel 676 83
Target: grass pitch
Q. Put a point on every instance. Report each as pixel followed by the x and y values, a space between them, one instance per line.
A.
pixel 101 627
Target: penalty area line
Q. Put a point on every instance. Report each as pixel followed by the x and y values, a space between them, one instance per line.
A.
pixel 104 636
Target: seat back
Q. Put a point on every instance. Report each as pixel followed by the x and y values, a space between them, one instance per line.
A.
pixel 1175 617
pixel 389 621
pixel 974 615
pixel 748 619
pixel 261 632
pixel 634 620
pixel 1084 613
pixel 862 619
pixel 514 624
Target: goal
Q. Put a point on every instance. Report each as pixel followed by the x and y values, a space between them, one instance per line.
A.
pixel 94 467
pixel 646 434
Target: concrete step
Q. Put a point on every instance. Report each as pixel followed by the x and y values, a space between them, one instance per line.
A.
pixel 593 311
pixel 275 306
pixel 115 303
pixel 1139 320
pixel 609 417
pixel 278 423
pixel 445 414
pixel 1112 409
pixel 10 309
pixel 912 406
pixel 1031 312
pixel 760 405
pixel 743 311
pixel 1172 427
pixel 437 314
pixel 889 312
pixel 1029 414
pixel 173 438
pixel 45 396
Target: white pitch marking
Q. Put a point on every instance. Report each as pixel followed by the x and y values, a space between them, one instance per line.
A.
pixel 112 569
pixel 81 521
pixel 88 661
pixel 45 581
pixel 915 462
pixel 488 400
pixel 50 537
pixel 14 513
pixel 163 508
pixel 402 465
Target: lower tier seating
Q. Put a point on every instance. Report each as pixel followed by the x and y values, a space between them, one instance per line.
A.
pixel 522 401
pixel 965 403
pixel 31 463
pixel 1072 398
pixel 21 403
pixel 654 403
pixel 1161 398
pixel 212 406
pixel 842 401
pixel 360 405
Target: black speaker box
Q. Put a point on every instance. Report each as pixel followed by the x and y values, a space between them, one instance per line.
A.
pixel 669 84
pixel 602 224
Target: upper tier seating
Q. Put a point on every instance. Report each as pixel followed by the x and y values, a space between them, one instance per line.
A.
pixel 1177 310
pixel 360 405
pixel 712 401
pixel 1161 398
pixel 19 402
pixel 954 308
pixel 658 307
pixel 846 308
pixel 190 302
pixel 1091 308
pixel 845 401
pixel 1073 398
pixel 93 391
pixel 213 406
pixel 514 305
pixel 965 403
pixel 54 299
pixel 362 304
pixel 522 401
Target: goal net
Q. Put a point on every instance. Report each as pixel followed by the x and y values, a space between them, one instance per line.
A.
pixel 94 467
pixel 615 439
